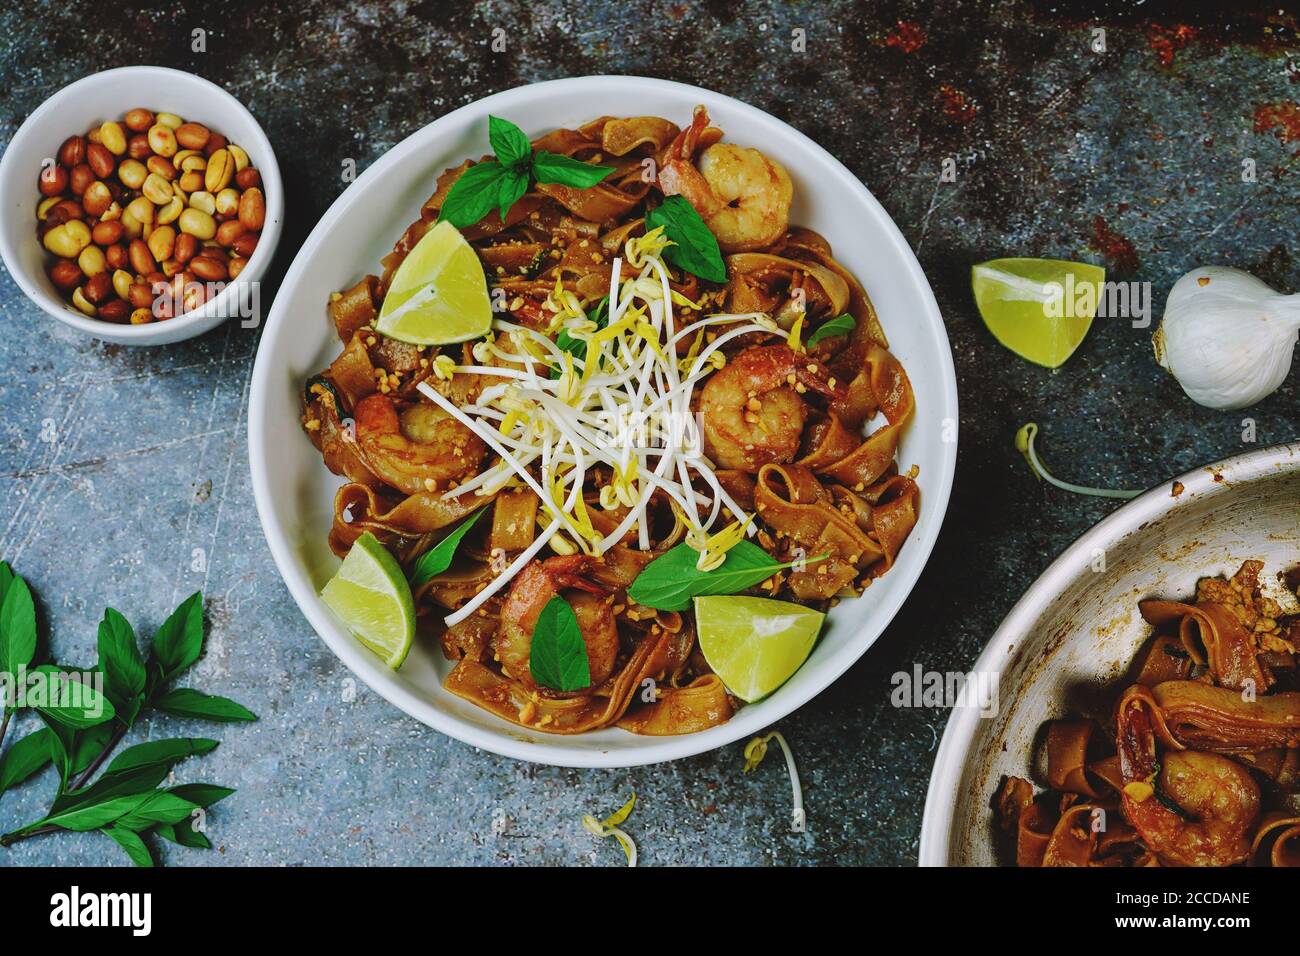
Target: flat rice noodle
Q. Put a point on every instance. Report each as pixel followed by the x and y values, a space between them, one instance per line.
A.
pixel 601 203
pixel 857 404
pixel 832 291
pixel 1160 659
pixel 1073 841
pixel 457 584
pixel 335 444
pixel 1212 635
pixel 511 701
pixel 1106 774
pixel 619 566
pixel 1200 716
pixel 1068 742
pixel 699 705
pixel 470 638
pixel 739 485
pixel 514 257
pixel 893 517
pixel 355 307
pixel 893 391
pixel 353 373
pixel 411 517
pixel 568 142
pixel 620 136
pixel 825 579
pixel 1034 828
pixel 791 500
pixel 580 262
pixel 828 441
pixel 514 521
pixel 1277 841
pixel 867 328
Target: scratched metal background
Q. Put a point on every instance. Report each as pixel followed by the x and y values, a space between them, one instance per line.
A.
pixel 116 464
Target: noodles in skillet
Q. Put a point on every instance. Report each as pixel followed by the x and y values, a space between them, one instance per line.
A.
pixel 1202 767
pixel 765 431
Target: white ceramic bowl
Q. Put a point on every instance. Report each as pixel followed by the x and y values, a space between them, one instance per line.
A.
pixel 1072 636
pixel 294 491
pixel 95 99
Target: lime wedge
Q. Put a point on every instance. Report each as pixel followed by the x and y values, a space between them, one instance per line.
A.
pixel 439 294
pixel 1039 308
pixel 371 595
pixel 755 644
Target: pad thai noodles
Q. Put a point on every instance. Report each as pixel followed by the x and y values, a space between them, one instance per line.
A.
pixel 1202 764
pixel 628 435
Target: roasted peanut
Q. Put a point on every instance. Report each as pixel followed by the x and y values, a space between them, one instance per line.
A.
pixel 115 310
pixel 82 303
pixel 220 171
pixel 116 256
pixel 98 287
pixel 113 138
pixel 96 199
pixel 239 156
pixel 252 209
pixel 186 248
pixel 141 258
pixel 169 120
pixel 170 212
pixel 137 147
pixel 245 244
pixel 209 268
pixel 161 167
pixel 92 261
pixel 229 231
pixel 65 274
pixel 53 180
pixel 161 242
pixel 80 177
pixel 228 202
pixel 66 209
pixel 140 295
pixel 197 223
pixel 122 283
pixel 72 152
pixel 43 207
pixel 141 316
pixel 157 190
pixel 131 226
pixel 236 266
pixel 132 173
pixel 106 233
pixel 100 160
pixel 162 140
pixel 215 142
pixel 192 182
pixel 194 163
pixel 193 135
pixel 139 119
pixel 141 209
pixel 67 239
pixel 205 201
pixel 248 178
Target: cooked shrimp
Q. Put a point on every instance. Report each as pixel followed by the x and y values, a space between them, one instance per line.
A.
pixel 742 195
pixel 416 450
pixel 1217 799
pixel 530 591
pixel 755 193
pixel 751 408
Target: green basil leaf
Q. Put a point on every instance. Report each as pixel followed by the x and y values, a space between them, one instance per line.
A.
pixel 695 247
pixel 670 581
pixel 183 834
pixel 187 702
pixel 513 184
pixel 89 744
pixel 155 752
pixel 71 698
pixel 95 815
pixel 62 741
pixel 137 769
pixel 438 558
pixel 130 842
pixel 558 655
pixel 159 806
pixel 577 347
pixel 17 627
pixel 204 794
pixel 566 171
pixel 25 757
pixel 6 579
pixel 509 143
pixel 123 667
pixel 473 195
pixel 840 325
pixel 179 641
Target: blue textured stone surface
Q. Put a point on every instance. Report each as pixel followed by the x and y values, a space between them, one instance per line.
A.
pixel 116 463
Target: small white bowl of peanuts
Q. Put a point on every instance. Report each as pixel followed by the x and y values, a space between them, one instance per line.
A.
pixel 141 205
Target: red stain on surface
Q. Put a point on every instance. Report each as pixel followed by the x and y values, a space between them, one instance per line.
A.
pixel 907 37
pixel 956 105
pixel 1282 118
pixel 1118 250
pixel 1168 40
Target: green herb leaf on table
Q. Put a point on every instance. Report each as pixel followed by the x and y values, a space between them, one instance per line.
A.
pixel 25 757
pixel 187 702
pixel 95 815
pixel 160 806
pixel 567 171
pixel 123 667
pixel 558 655
pixel 183 834
pixel 508 142
pixel 671 581
pixel 17 626
pixel 130 841
pixel 179 641
pixel 473 195
pixel 88 744
pixel 6 579
pixel 694 248
pixel 840 325
pixel 438 558
pixel 203 794
pixel 72 699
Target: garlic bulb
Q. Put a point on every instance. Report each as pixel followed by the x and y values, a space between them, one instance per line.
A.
pixel 1227 337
